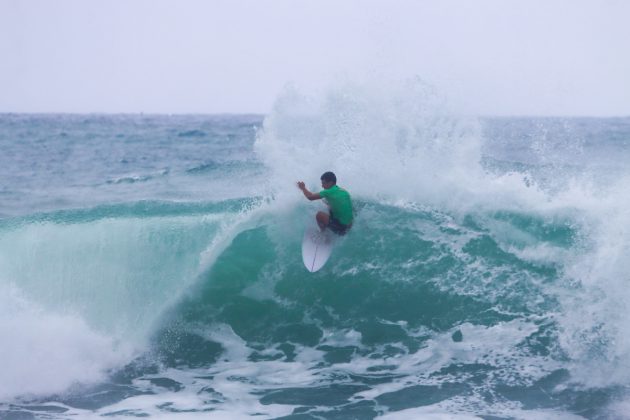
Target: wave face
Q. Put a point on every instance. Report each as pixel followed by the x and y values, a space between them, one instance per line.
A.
pixel 150 266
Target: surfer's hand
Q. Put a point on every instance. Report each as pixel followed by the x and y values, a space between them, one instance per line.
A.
pixel 301 185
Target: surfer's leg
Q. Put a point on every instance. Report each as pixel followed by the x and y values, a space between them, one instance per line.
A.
pixel 322 219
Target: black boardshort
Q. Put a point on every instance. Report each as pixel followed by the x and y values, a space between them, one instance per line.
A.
pixel 336 226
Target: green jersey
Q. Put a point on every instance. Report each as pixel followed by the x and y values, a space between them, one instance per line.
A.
pixel 340 203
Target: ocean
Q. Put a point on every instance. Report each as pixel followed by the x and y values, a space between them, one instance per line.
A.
pixel 150 265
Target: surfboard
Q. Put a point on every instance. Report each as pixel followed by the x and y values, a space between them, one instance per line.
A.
pixel 316 248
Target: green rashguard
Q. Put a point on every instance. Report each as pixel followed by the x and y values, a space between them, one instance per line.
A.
pixel 340 203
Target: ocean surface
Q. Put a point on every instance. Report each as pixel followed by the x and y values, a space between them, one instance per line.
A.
pixel 150 265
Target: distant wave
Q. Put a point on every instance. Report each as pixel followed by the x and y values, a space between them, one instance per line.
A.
pixel 133 178
pixel 192 133
pixel 129 179
pixel 212 165
pixel 204 167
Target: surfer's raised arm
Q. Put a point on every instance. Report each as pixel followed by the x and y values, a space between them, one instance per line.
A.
pixel 310 195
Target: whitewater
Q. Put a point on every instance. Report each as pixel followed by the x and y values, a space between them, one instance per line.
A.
pixel 150 265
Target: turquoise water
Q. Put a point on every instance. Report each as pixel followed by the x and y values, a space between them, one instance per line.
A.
pixel 150 265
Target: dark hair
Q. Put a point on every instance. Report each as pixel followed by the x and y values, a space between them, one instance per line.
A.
pixel 329 177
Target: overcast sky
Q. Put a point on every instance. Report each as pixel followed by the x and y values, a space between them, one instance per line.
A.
pixel 497 57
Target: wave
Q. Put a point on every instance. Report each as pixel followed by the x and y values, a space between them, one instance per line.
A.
pixel 111 271
pixel 119 268
pixel 130 179
pixel 412 297
pixel 214 287
pixel 230 167
pixel 192 133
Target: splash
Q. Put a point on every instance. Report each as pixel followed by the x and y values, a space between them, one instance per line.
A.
pixel 397 142
pixel 44 352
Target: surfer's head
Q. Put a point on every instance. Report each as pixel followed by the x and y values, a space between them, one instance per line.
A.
pixel 328 179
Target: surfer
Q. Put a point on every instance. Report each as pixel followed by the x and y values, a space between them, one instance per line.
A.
pixel 339 216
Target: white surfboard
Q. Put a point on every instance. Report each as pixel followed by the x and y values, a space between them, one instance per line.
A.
pixel 316 248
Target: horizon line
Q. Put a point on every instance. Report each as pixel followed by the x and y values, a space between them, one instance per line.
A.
pixel 259 114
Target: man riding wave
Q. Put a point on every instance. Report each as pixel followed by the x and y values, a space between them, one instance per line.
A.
pixel 339 217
